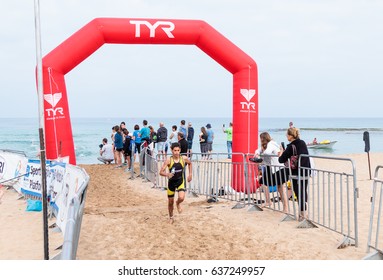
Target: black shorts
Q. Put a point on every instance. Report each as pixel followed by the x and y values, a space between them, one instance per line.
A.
pixel 119 149
pixel 137 148
pixel 174 186
pixel 278 178
pixel 128 153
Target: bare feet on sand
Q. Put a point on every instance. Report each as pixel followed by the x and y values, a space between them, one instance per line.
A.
pixel 171 220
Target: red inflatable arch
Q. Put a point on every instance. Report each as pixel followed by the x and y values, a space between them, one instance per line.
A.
pixel 58 131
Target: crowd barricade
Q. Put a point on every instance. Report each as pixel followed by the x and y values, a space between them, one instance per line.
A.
pixel 274 186
pixel 13 165
pixel 73 224
pixel 214 179
pixel 151 166
pixel 142 156
pixel 66 189
pixel 332 195
pixel 375 236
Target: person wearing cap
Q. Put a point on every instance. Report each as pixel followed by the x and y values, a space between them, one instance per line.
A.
pixel 210 138
pixel 229 139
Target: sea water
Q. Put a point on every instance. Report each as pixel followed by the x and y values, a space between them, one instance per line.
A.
pixel 22 134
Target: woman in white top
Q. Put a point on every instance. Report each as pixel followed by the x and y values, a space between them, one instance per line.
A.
pixel 173 136
pixel 273 173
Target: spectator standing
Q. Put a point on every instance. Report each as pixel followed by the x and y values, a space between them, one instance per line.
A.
pixel 137 140
pixel 210 138
pixel 153 136
pixel 118 146
pixel 173 136
pixel 145 132
pixel 127 148
pixel 190 136
pixel 229 139
pixel 296 148
pixel 183 143
pixel 203 143
pixel 183 128
pixel 112 137
pixel 162 137
pixel 274 173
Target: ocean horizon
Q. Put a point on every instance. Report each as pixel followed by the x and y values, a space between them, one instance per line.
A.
pixel 21 134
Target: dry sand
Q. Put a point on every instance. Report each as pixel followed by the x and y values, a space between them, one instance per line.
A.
pixel 127 220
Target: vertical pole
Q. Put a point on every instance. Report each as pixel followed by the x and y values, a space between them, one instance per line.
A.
pixel 41 127
pixel 369 164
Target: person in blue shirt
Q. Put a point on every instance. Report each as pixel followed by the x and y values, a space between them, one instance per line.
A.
pixel 118 145
pixel 182 129
pixel 145 132
pixel 210 138
pixel 137 140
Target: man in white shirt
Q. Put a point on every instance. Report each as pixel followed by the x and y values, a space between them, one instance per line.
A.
pixel 106 152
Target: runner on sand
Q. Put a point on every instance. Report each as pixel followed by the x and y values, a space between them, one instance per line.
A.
pixel 176 165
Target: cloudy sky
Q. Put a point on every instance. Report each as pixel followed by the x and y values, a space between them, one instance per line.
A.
pixel 315 59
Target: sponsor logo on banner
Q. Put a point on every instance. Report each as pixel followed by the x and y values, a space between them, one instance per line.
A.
pixel 32 180
pixel 247 106
pixel 55 112
pixel 166 26
pixel 18 169
pixel 2 167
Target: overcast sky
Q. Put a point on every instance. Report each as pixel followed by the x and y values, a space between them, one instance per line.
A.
pixel 315 59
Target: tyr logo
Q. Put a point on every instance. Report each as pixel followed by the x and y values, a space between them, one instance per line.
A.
pixel 166 26
pixel 248 94
pixel 54 111
pixel 53 99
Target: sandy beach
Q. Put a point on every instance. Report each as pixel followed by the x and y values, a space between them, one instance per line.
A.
pixel 127 220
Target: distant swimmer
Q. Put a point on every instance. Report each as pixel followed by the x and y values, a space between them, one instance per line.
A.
pixel 291 125
pixel 176 165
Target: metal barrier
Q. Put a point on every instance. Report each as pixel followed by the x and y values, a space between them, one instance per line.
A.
pixel 73 228
pixel 211 178
pixel 273 192
pixel 73 224
pixel 332 197
pixel 214 177
pixel 151 167
pixel 375 236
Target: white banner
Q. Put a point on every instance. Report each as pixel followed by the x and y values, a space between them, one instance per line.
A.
pixel 74 182
pixel 64 182
pixel 12 166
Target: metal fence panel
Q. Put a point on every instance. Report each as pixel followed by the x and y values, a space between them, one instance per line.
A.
pixel 375 236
